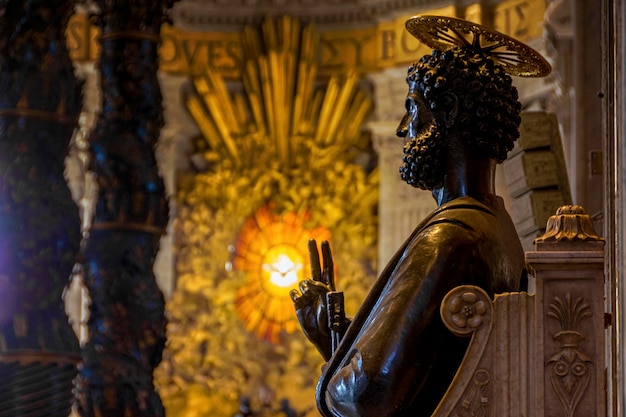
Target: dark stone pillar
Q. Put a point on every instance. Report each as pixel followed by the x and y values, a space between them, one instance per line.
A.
pixel 127 320
pixel 40 100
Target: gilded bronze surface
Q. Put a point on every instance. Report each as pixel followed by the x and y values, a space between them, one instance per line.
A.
pixel 396 357
pixel 439 32
pixel 571 227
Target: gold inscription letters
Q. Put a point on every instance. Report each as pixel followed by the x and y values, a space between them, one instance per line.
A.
pixel 364 50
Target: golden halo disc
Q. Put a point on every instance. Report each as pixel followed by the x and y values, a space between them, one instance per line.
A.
pixel 442 33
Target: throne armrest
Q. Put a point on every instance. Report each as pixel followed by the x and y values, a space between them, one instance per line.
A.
pixel 467 310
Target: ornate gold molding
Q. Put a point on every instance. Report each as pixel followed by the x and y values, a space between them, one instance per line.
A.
pixel 363 49
pixel 570 227
pixel 29 357
pixel 47 116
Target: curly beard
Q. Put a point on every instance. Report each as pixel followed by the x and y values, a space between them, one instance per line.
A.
pixel 423 159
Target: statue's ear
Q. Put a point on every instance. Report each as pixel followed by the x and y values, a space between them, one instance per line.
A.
pixel 450 108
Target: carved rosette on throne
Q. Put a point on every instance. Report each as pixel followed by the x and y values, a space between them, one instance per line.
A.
pixel 536 354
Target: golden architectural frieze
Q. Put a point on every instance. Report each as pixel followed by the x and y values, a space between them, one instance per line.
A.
pixel 203 14
pixel 366 48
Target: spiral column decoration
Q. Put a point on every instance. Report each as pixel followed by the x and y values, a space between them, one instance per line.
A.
pixel 40 100
pixel 127 319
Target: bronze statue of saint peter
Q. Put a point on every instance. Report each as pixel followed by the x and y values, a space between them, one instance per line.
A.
pixel 396 357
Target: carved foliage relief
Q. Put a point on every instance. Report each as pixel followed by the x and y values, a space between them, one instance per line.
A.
pixel 569 367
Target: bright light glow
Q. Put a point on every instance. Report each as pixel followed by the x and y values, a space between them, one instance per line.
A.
pixel 283 271
pixel 272 251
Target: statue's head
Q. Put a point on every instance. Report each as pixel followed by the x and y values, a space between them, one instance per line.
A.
pixel 460 93
pixel 461 96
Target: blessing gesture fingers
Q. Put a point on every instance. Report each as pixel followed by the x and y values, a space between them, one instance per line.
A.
pixel 310 300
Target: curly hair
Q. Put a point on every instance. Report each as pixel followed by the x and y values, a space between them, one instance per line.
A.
pixel 489 111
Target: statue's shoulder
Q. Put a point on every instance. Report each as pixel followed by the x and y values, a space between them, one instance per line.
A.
pixel 464 211
pixel 459 223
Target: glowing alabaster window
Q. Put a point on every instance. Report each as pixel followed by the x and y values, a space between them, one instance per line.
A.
pixel 272 251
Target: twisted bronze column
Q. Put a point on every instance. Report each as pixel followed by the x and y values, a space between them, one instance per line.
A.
pixel 127 321
pixel 40 100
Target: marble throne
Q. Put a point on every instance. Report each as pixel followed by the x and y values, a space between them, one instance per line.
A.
pixel 539 354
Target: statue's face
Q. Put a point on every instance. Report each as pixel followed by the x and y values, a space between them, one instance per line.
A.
pixel 417 116
pixel 424 147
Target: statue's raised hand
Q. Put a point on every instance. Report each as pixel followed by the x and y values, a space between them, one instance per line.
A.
pixel 310 301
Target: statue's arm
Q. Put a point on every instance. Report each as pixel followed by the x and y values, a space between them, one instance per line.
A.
pixel 403 338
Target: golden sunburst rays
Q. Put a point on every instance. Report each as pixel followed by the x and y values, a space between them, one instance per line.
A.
pixel 279 124
pixel 282 105
pixel 272 251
